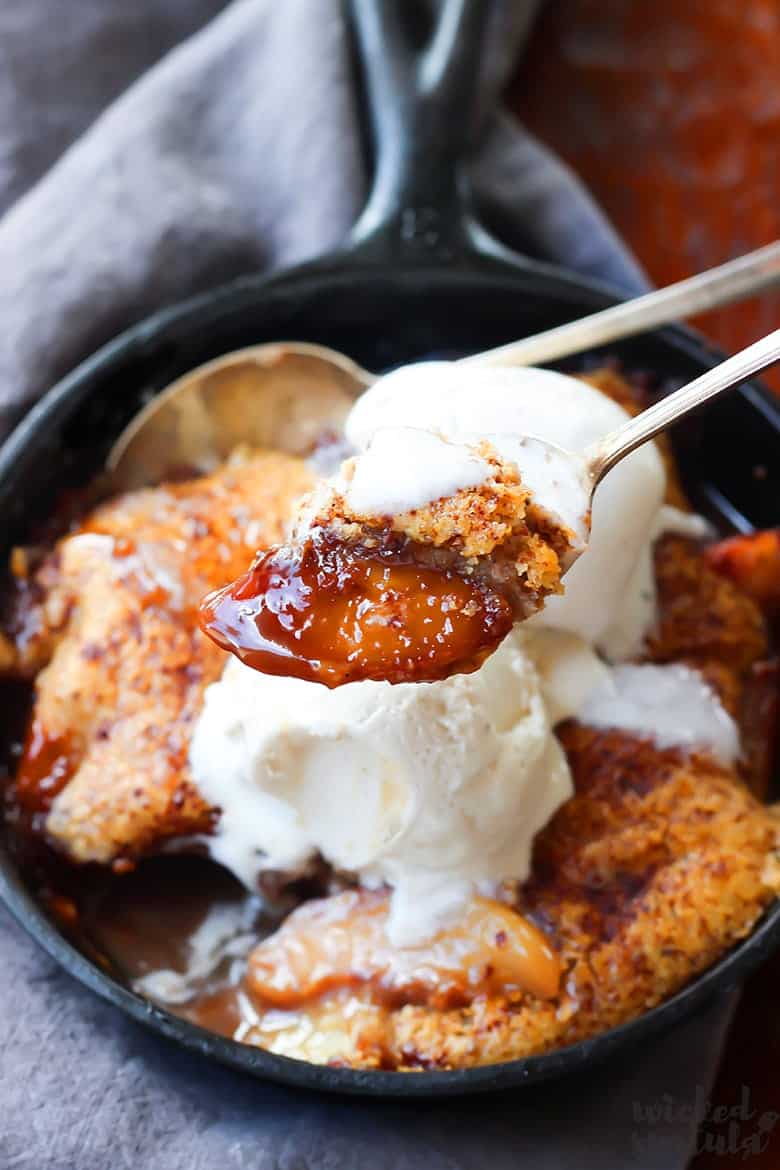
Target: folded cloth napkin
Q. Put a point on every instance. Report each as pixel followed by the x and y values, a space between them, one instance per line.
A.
pixel 149 151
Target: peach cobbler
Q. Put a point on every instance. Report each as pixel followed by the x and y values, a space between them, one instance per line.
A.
pixel 461 837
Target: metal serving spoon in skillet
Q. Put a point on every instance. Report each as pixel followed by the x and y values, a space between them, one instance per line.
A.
pixel 284 393
pixel 336 605
pixel 589 467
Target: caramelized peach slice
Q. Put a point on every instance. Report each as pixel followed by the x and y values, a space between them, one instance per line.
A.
pixel 340 942
pixel 331 613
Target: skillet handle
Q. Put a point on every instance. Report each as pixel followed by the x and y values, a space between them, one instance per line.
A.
pixel 421 105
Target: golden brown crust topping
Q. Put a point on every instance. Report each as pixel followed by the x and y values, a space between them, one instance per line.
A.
pixel 474 520
pixel 704 618
pixel 127 664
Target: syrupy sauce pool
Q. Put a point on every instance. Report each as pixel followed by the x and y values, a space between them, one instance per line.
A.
pixel 186 950
pixel 200 931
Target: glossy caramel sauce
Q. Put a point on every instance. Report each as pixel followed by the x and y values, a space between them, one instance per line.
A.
pixel 331 613
pixel 46 765
pixel 151 943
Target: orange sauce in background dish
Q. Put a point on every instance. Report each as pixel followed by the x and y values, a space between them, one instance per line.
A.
pixel 670 113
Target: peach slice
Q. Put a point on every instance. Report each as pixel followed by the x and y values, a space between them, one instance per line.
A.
pixel 340 942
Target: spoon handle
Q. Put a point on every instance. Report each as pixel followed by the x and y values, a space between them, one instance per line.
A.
pixel 728 282
pixel 603 455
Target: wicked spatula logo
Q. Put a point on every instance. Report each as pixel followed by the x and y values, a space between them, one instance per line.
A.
pixel 737 1130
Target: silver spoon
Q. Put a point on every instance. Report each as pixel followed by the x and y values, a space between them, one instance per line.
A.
pixel 284 394
pixel 582 472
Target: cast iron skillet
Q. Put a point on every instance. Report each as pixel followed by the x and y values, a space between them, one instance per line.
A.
pixel 417 277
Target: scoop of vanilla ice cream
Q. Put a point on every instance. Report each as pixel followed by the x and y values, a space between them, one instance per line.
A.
pixel 671 704
pixel 610 592
pixel 436 788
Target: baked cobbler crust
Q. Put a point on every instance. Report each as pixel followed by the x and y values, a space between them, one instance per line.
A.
pixel 125 666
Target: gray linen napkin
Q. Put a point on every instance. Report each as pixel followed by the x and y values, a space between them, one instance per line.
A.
pixel 138 167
